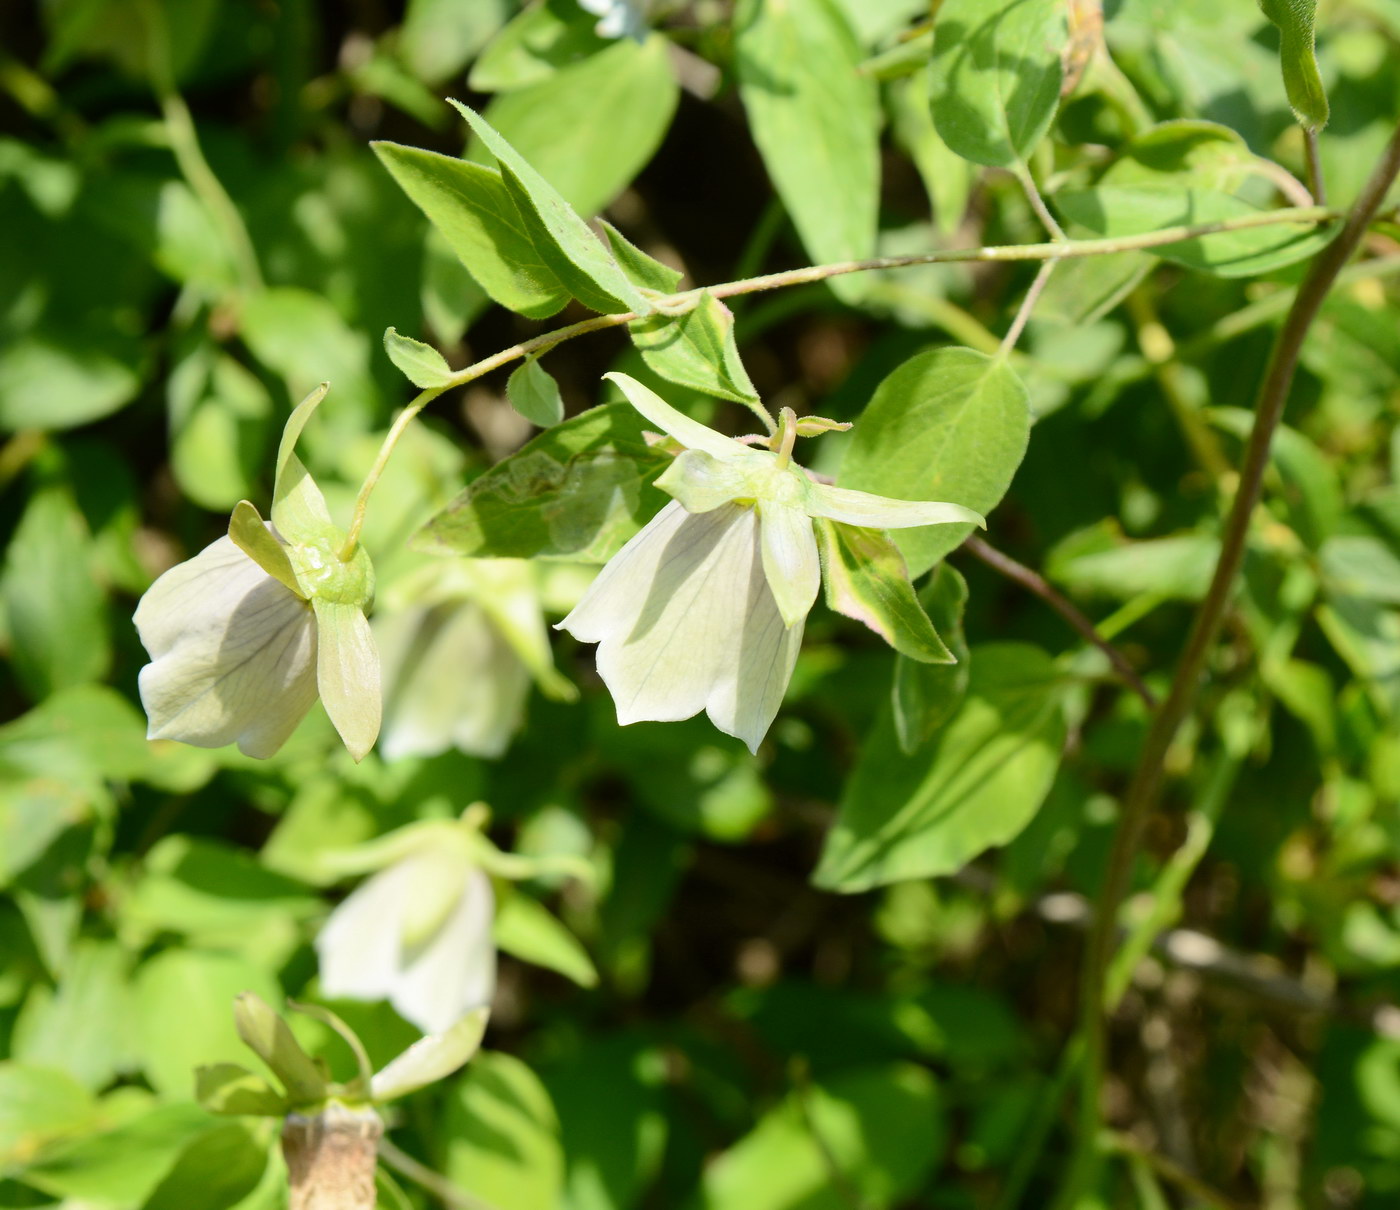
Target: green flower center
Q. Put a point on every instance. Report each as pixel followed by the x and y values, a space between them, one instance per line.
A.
pixel 324 576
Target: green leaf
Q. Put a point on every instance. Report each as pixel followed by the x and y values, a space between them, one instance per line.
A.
pixel 883 1128
pixel 59 381
pixel 866 579
pixel 995 82
pixel 502 1136
pixel 976 784
pixel 227 1088
pixel 696 350
pixel 1177 567
pixel 439 37
pixel 538 41
pixel 564 240
pixel 816 121
pixel 264 1032
pixel 472 209
pixel 218 1170
pixel 184 1013
pixel 221 421
pixel 925 695
pixel 532 391
pixel 527 929
pixel 421 364
pixel 38 1104
pixel 1302 81
pixel 645 271
pixel 577 491
pixel 1356 565
pixel 54 607
pixel 948 424
pixel 121 1166
pixel 589 127
pixel 430 1059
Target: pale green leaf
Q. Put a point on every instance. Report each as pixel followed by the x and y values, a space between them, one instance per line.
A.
pixel 948 424
pixel 227 1088
pixel 579 260
pixel 265 1033
pixel 421 364
pixel 471 208
pixel 533 393
pixel 816 120
pixel 39 1104
pixel 645 271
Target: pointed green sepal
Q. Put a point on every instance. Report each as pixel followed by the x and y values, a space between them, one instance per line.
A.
pixel 430 1059
pixel 690 433
pixel 248 532
pixel 267 1036
pixel 298 508
pixel 347 673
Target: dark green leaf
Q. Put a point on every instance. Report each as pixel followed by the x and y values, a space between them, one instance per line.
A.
pixel 996 76
pixel 976 784
pixel 577 491
pixel 926 695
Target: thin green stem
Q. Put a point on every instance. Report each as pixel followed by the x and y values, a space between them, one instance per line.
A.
pixel 1042 211
pixel 434 1182
pixel 814 273
pixel 1023 312
pixel 1317 186
pixel 1146 786
pixel 189 156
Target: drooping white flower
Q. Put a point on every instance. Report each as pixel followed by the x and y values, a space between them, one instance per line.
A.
pixel 618 18
pixel 460 641
pixel 243 636
pixel 705 607
pixel 417 934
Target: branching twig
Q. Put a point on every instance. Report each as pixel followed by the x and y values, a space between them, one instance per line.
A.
pixel 1034 582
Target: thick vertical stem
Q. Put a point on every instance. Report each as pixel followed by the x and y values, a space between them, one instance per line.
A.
pixel 1145 788
pixel 331 1158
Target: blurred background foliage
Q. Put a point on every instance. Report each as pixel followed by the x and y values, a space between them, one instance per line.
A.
pixel 194 232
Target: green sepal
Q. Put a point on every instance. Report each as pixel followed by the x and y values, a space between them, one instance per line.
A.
pixel 1296 21
pixel 532 391
pixel 696 349
pixel 562 239
pixel 421 364
pixel 247 532
pixel 347 673
pixel 430 1059
pixel 578 491
pixel 866 579
pixel 298 508
pixel 267 1036
pixel 228 1088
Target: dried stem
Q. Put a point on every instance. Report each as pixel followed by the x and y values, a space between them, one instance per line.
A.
pixel 1036 583
pixel 331 1157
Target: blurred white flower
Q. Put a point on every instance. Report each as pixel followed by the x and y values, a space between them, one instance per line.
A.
pixel 243 636
pixel 618 18
pixel 417 934
pixel 705 607
pixel 460 640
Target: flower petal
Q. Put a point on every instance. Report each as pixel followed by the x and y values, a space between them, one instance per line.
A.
pixel 430 1059
pixel 298 508
pixel 881 512
pixel 360 947
pixel 790 560
pixel 347 674
pixel 254 537
pixel 232 654
pixel 455 970
pixel 690 433
pixel 685 620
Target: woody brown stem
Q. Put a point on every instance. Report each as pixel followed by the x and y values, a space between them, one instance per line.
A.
pixel 331 1157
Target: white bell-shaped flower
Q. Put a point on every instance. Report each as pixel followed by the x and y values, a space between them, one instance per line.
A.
pixel 244 636
pixel 705 607
pixel 417 934
pixel 618 18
